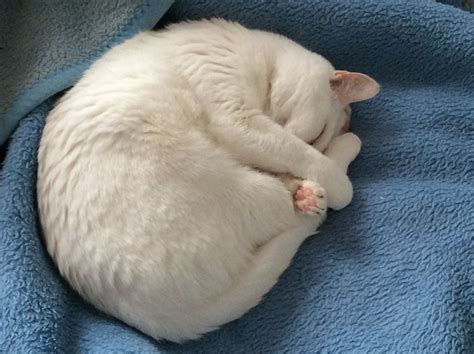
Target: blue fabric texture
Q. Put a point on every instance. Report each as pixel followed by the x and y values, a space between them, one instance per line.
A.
pixel 393 272
pixel 45 46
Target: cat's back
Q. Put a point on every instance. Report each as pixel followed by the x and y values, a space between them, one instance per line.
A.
pixel 151 55
pixel 152 68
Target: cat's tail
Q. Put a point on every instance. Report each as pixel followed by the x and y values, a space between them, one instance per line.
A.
pixel 263 272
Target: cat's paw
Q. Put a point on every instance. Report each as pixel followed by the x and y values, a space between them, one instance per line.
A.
pixel 335 182
pixel 310 198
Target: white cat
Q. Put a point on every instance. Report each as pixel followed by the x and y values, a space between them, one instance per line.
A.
pixel 163 185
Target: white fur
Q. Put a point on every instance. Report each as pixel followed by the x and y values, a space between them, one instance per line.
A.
pixel 149 195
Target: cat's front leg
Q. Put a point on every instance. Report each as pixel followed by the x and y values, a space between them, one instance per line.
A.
pixel 308 196
pixel 342 150
pixel 257 141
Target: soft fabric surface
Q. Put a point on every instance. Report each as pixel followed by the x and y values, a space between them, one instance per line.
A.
pixel 46 45
pixel 391 272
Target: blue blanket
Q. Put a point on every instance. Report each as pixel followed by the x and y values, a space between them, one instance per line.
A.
pixel 393 272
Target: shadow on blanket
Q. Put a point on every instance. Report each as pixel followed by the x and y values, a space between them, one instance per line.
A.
pixel 392 272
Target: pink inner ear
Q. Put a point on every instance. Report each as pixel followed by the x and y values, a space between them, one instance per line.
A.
pixel 352 87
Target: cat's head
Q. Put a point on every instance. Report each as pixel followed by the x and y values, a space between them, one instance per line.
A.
pixel 312 100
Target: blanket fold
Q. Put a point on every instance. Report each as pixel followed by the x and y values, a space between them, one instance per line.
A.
pixel 393 272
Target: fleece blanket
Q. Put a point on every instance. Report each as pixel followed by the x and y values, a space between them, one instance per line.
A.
pixel 393 272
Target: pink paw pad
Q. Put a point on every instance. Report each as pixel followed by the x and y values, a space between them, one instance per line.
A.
pixel 309 198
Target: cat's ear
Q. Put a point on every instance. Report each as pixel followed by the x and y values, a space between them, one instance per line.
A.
pixel 352 87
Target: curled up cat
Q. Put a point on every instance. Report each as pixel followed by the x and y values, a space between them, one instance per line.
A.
pixel 179 176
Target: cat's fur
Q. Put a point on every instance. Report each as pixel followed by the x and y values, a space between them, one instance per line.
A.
pixel 149 193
